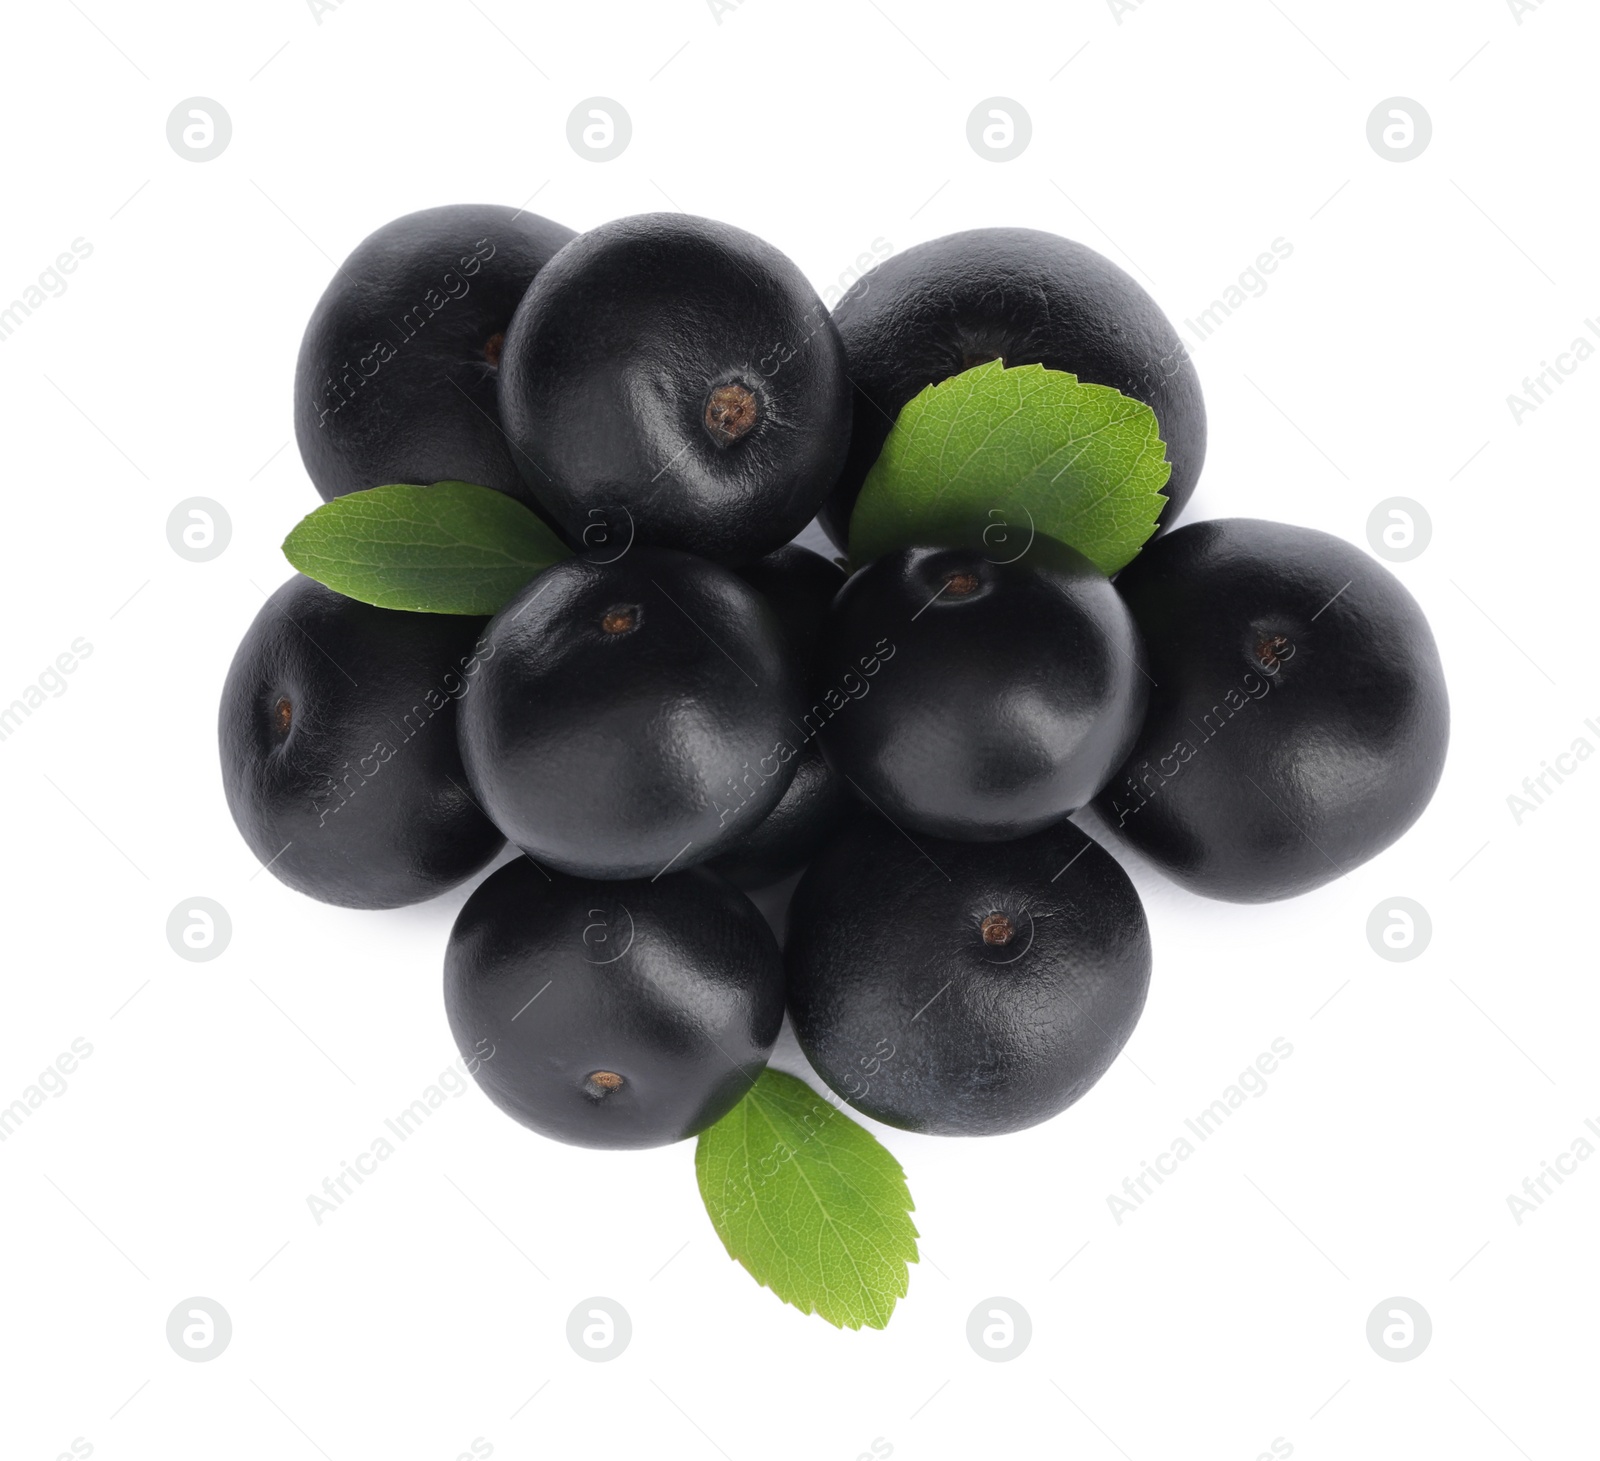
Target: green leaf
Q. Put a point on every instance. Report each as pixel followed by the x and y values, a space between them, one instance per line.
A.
pixel 451 548
pixel 810 1203
pixel 993 454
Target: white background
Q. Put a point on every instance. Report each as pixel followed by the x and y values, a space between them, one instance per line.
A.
pixel 1230 1310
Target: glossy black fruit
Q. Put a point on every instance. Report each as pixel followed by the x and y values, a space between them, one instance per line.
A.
pixel 632 716
pixel 811 811
pixel 397 369
pixel 1028 298
pixel 676 380
pixel 1300 719
pixel 978 700
pixel 964 989
pixel 625 1014
pixel 339 757
pixel 799 585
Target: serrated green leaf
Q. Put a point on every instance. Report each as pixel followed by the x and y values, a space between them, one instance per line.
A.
pixel 811 1204
pixel 452 548
pixel 993 453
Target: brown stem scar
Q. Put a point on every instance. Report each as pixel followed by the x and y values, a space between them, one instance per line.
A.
pixel 1269 650
pixel 731 412
pixel 996 929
